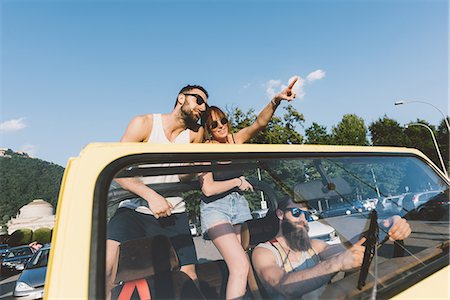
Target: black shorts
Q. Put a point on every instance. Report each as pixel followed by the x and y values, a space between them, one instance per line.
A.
pixel 127 224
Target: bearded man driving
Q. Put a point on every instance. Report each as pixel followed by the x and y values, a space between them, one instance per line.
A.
pixel 294 266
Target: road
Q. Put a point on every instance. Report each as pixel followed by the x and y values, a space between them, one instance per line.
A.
pixel 425 234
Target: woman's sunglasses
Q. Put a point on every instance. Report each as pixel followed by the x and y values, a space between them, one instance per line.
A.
pixel 199 98
pixel 222 121
pixel 296 212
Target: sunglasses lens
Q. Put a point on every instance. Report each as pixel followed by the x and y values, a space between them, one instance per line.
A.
pixel 296 212
pixel 214 124
pixel 200 100
pixel 224 121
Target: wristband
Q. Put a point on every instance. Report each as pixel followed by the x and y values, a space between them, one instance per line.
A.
pixel 241 182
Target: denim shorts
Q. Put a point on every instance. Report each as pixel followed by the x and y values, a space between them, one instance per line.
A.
pixel 233 208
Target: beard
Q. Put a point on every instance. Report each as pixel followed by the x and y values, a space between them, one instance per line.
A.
pixel 296 237
pixel 188 115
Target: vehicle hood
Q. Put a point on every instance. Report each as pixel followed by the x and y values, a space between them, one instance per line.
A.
pixel 317 228
pixel 33 277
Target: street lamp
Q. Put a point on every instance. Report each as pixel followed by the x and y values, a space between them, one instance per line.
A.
pixel 435 144
pixel 445 117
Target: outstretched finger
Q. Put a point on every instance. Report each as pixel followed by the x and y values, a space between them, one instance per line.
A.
pixel 291 85
pixel 360 242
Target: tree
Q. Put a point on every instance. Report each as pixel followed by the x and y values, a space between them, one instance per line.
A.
pixel 443 141
pixel 278 130
pixel 350 131
pixel 387 132
pixel 420 138
pixel 23 179
pixel 317 134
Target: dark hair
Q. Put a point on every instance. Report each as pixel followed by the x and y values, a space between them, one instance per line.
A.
pixel 189 88
pixel 207 118
pixel 285 201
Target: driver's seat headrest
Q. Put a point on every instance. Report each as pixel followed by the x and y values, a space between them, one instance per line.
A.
pixel 260 230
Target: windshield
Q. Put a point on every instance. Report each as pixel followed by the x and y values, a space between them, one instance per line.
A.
pixel 19 252
pixel 40 259
pixel 339 192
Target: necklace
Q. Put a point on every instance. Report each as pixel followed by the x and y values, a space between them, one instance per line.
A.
pixel 286 254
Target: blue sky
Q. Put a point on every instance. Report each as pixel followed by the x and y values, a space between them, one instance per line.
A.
pixel 75 72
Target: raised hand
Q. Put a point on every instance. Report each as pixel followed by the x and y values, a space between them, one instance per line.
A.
pixel 399 228
pixel 287 93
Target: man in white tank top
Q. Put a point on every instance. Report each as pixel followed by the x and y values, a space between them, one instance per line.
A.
pixel 152 214
pixel 294 266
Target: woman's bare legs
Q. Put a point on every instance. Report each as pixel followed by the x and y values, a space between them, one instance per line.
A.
pixel 227 240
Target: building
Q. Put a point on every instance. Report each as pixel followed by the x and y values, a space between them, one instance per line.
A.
pixel 34 215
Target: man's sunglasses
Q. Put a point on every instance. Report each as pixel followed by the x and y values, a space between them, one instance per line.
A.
pixel 199 98
pixel 296 212
pixel 222 121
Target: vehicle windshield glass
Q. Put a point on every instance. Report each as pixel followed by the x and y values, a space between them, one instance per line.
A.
pixel 40 259
pixel 339 192
pixel 19 252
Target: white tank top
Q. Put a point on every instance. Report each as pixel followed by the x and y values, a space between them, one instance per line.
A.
pixel 157 136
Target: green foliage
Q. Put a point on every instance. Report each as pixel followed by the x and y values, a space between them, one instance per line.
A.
pixel 442 138
pixel 350 131
pixel 317 134
pixel 278 130
pixel 387 132
pixel 420 138
pixel 192 199
pixel 20 237
pixel 42 235
pixel 23 179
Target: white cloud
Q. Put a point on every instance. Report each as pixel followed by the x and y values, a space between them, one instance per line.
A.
pixel 271 85
pixel 316 75
pixel 274 86
pixel 31 150
pixel 12 125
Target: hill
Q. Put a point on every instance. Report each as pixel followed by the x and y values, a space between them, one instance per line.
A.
pixel 23 179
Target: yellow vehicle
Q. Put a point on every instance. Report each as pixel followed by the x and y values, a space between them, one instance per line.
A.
pixel 326 177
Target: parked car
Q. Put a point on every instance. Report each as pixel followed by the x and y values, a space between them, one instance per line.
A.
pixel 434 209
pixel 30 284
pixel 16 258
pixel 259 213
pixel 407 202
pixel 343 209
pixel 3 250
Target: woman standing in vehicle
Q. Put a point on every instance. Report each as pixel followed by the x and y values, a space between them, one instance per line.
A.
pixel 223 207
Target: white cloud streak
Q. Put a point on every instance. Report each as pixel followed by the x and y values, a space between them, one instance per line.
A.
pixel 275 86
pixel 13 125
pixel 316 75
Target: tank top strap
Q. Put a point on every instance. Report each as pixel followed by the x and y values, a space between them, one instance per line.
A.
pixel 287 266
